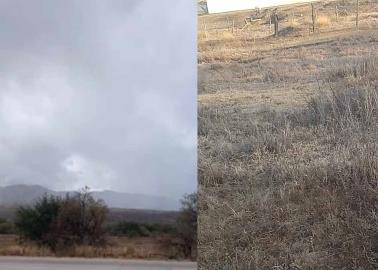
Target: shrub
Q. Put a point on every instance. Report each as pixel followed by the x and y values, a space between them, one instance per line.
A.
pixel 364 70
pixel 160 228
pixel 134 229
pixel 130 229
pixel 6 227
pixel 63 222
pixel 187 224
pixel 34 222
pixel 338 109
pixel 80 221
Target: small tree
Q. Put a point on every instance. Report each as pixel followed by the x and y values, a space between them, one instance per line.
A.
pixel 81 220
pixel 34 223
pixel 58 222
pixel 187 224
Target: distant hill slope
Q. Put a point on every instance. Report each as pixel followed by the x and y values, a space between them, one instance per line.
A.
pixel 117 215
pixel 25 194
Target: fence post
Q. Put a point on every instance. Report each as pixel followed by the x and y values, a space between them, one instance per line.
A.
pixel 270 24
pixel 275 22
pixel 358 14
pixel 337 13
pixel 313 17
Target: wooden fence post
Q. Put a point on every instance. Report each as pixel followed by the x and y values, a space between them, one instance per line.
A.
pixel 358 14
pixel 313 17
pixel 337 13
pixel 275 22
pixel 270 24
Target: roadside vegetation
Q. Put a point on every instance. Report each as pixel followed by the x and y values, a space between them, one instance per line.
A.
pixel 288 150
pixel 134 229
pixel 61 223
pixel 6 227
pixel 186 225
pixel 77 225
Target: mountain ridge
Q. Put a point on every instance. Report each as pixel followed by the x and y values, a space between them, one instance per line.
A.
pixel 22 194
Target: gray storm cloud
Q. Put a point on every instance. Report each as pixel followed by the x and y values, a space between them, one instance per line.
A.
pixel 98 93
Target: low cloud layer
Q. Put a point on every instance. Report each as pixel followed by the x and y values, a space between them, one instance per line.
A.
pixel 98 93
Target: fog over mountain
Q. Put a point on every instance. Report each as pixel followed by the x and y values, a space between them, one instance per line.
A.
pixel 16 195
pixel 100 94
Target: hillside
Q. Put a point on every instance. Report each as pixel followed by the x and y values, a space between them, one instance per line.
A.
pixel 25 194
pixel 288 145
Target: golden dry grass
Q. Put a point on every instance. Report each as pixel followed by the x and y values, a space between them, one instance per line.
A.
pixel 323 21
pixel 288 144
pixel 117 247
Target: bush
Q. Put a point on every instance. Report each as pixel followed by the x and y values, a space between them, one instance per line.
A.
pixel 80 221
pixel 63 222
pixel 34 223
pixel 187 224
pixel 339 108
pixel 6 227
pixel 161 228
pixel 130 229
pixel 363 70
pixel 133 229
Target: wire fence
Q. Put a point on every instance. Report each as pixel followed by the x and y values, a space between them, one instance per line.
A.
pixel 299 19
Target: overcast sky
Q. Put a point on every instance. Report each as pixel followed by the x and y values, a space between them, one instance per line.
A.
pixel 215 6
pixel 99 93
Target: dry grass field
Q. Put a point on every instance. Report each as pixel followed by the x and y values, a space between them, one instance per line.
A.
pixel 161 248
pixel 288 139
pixel 157 246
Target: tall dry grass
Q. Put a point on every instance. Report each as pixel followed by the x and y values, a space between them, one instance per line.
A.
pixel 293 189
pixel 323 21
pixel 162 247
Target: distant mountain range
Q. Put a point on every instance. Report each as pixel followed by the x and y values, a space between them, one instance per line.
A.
pixel 27 194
